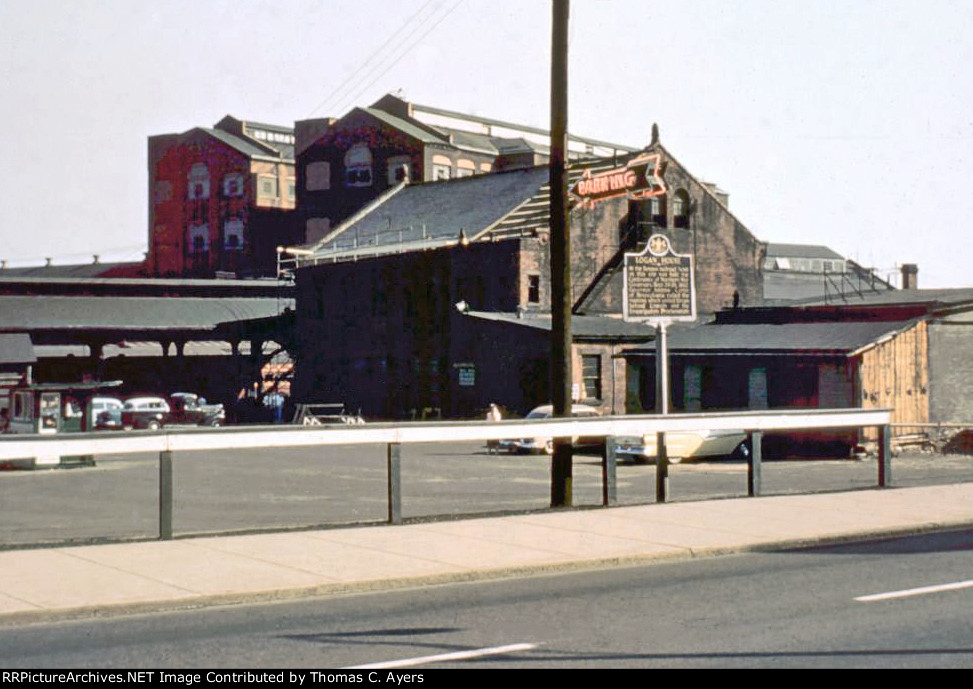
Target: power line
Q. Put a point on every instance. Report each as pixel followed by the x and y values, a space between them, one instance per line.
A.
pixel 368 61
pixel 403 53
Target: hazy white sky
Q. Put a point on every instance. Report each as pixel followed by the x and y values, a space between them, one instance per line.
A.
pixel 845 123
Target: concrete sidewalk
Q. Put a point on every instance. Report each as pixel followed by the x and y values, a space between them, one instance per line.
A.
pixel 74 582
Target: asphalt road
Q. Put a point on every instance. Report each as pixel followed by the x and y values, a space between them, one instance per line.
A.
pixel 231 491
pixel 865 605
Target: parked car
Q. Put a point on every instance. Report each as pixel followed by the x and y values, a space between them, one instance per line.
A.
pixel 145 412
pixel 107 413
pixel 543 444
pixel 187 408
pixel 682 445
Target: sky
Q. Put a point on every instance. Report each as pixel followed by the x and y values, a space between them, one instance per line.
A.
pixel 848 124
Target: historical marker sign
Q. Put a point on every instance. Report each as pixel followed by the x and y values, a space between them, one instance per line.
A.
pixel 659 284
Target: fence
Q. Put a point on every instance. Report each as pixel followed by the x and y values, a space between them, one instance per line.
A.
pixel 167 442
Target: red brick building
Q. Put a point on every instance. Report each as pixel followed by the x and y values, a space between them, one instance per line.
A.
pixel 436 295
pixel 345 163
pixel 220 199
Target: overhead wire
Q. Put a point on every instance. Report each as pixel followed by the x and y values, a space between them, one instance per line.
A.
pixel 364 65
pixel 394 48
pixel 378 76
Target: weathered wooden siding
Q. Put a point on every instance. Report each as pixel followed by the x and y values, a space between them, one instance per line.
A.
pixel 895 374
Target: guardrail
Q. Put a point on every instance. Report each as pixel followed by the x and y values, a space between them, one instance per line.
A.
pixel 394 435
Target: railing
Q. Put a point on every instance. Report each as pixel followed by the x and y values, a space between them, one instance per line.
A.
pixel 394 435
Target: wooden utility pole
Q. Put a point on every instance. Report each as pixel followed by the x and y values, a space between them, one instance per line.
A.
pixel 561 469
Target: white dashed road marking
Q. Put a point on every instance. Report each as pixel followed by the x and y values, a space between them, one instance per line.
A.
pixel 915 592
pixel 458 655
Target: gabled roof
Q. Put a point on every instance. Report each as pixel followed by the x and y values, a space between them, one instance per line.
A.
pixel 33 313
pixel 16 348
pixel 245 147
pixel 802 251
pixel 62 272
pixel 841 338
pixel 440 210
pixel 413 129
pixel 934 299
pixel 582 327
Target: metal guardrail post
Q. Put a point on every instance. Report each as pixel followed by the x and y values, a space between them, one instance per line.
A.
pixel 395 482
pixel 884 456
pixel 165 496
pixel 661 469
pixel 754 462
pixel 609 493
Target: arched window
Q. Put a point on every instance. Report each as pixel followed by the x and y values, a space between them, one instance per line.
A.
pixel 198 182
pixel 358 166
pixel 680 209
pixel 233 235
pixel 198 239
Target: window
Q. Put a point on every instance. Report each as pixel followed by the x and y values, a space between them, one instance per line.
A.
pixel 198 182
pixel 680 209
pixel 591 375
pixel 533 289
pixel 317 176
pixel 358 166
pixel 198 239
pixel 233 185
pixel 442 167
pixel 291 190
pixel 233 235
pixel 268 187
pixel 465 168
pixel 23 406
pixel 399 169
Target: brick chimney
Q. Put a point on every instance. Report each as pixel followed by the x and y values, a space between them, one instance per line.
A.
pixel 910 276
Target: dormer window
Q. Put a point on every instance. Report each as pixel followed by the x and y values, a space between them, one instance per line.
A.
pixel 358 166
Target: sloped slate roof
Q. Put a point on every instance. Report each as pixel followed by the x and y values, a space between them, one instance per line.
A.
pixel 802 251
pixel 79 270
pixel 439 210
pixel 405 126
pixel 581 326
pixel 16 348
pixel 26 313
pixel 242 145
pixel 943 298
pixel 841 337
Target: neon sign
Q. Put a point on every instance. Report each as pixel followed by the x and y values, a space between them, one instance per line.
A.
pixel 639 179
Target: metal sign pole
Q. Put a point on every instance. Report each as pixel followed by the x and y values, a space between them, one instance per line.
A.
pixel 661 368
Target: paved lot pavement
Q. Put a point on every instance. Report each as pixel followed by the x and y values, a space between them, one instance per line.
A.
pixel 43 584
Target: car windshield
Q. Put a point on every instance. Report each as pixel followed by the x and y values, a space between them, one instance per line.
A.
pixel 538 415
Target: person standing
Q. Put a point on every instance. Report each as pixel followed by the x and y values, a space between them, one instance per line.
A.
pixel 493 414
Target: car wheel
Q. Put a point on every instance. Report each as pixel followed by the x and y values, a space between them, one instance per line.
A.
pixel 675 460
pixel 153 425
pixel 742 452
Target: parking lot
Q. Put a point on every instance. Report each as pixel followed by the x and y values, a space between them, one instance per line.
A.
pixel 282 488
